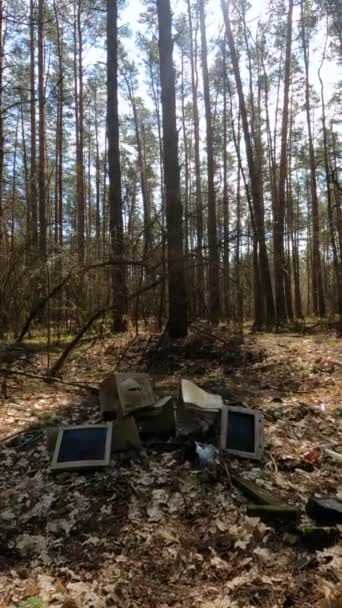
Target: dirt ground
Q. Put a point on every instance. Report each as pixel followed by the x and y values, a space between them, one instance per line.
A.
pixel 155 530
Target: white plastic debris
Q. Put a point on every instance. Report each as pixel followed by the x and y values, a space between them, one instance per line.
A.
pixel 206 454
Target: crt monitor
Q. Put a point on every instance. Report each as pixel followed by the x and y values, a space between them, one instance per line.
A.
pixel 242 432
pixel 86 446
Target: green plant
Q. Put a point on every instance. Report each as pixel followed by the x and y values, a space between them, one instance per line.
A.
pixel 31 602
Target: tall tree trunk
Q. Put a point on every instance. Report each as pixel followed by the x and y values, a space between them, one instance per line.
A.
pixel 33 169
pixel 337 189
pixel 97 183
pixel 337 255
pixel 188 268
pixel 226 266
pixel 317 283
pixel 213 270
pixel 287 268
pixel 279 253
pixel 177 324
pixel 80 190
pixel 257 286
pixel 2 148
pixel 119 284
pixel 59 137
pixel 239 289
pixel 14 184
pixel 142 169
pixel 59 134
pixel 255 185
pixel 198 185
pixel 26 170
pixel 42 135
pixel 155 86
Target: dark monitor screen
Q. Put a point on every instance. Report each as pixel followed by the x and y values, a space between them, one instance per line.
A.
pixel 241 432
pixel 83 444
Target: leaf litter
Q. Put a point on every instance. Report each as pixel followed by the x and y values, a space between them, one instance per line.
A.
pixel 150 531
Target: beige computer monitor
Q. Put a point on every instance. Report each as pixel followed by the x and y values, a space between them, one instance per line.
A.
pixel 242 432
pixel 84 446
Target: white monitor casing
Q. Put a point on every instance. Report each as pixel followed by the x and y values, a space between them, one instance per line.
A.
pixel 258 431
pixel 82 464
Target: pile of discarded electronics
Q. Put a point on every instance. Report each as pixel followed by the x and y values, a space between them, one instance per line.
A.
pixel 131 411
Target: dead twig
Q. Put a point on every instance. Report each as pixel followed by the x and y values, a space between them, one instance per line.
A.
pixel 49 379
pixel 224 464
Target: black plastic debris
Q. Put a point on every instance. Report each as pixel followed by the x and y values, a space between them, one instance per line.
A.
pixel 325 509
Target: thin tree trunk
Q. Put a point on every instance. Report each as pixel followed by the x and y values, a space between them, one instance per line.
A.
pixel 317 283
pixel 142 170
pixel 33 199
pixel 119 284
pixel 256 190
pixel 42 135
pixel 279 253
pixel 337 191
pixel 226 266
pixel 155 86
pixel 26 170
pixel 2 149
pixel 239 290
pixel 198 185
pixel 80 191
pixel 337 257
pixel 97 182
pixel 213 270
pixel 177 324
pixel 293 232
pixel 188 270
pixel 14 185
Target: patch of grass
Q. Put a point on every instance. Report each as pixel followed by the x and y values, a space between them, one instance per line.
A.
pixel 31 602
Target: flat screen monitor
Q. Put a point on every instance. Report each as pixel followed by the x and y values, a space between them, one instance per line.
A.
pixel 242 432
pixel 86 446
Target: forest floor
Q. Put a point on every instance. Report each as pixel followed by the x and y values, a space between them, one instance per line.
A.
pixel 152 531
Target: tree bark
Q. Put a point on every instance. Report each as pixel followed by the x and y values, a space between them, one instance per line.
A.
pixel 142 168
pixel 198 185
pixel 255 185
pixel 119 285
pixel 33 154
pixel 59 135
pixel 337 255
pixel 188 268
pixel 213 270
pixel 226 265
pixel 97 181
pixel 2 148
pixel 80 190
pixel 42 135
pixel 14 184
pixel 177 323
pixel 279 253
pixel 317 283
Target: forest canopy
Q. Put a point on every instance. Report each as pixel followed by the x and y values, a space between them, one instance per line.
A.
pixel 169 162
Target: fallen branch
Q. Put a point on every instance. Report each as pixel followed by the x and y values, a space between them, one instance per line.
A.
pixel 13 372
pixel 279 512
pixel 253 491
